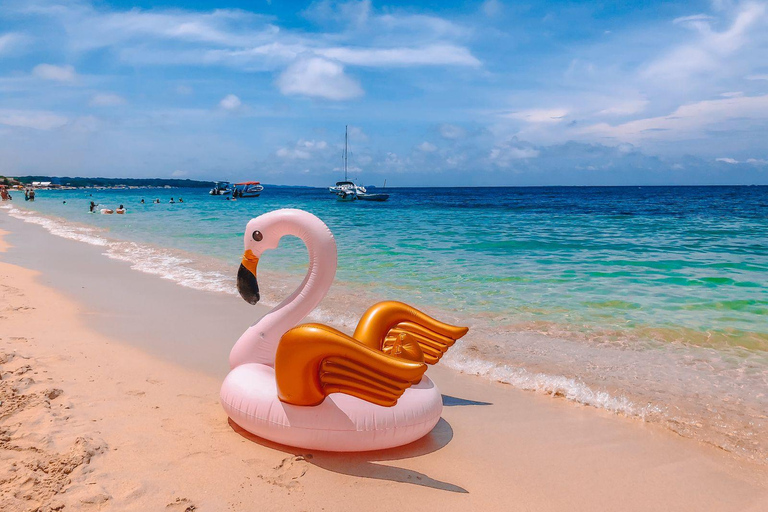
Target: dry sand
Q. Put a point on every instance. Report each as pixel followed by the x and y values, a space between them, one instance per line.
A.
pixel 90 421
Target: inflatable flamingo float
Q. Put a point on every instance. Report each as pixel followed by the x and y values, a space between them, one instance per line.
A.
pixel 311 386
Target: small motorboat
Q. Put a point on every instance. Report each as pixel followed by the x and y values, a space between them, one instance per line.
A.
pixel 372 197
pixel 247 189
pixel 346 195
pixel 222 188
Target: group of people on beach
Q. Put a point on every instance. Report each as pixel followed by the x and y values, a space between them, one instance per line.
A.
pixel 29 195
pixel 121 209
pixel 107 211
pixel 5 194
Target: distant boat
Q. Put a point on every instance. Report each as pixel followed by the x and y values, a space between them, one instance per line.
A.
pixel 369 196
pixel 372 197
pixel 347 195
pixel 222 188
pixel 343 187
pixel 346 186
pixel 247 189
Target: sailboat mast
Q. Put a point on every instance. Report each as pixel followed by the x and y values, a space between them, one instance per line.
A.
pixel 346 151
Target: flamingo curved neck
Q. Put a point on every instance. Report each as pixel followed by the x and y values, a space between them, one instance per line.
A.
pixel 259 343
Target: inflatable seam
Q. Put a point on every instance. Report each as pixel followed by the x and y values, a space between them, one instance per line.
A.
pixel 408 425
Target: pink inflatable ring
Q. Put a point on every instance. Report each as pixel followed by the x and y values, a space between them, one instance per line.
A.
pixel 317 388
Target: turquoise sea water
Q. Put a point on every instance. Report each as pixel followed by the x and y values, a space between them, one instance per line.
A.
pixel 648 301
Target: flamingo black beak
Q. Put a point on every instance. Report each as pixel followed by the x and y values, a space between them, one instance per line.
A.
pixel 246 278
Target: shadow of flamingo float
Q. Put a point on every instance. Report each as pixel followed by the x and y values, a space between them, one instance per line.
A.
pixel 311 386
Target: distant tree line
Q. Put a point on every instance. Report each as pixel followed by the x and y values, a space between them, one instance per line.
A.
pixel 114 182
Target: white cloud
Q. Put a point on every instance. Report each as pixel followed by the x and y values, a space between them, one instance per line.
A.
pixel 37 119
pixel 492 8
pixel 427 147
pixel 55 73
pixel 625 108
pixel 752 161
pixel 708 53
pixel 504 154
pixel 692 18
pixel 302 150
pixel 106 100
pixel 92 28
pixel 179 173
pixel 687 120
pixel 451 131
pixel 434 55
pixel 275 54
pixel 361 18
pixel 230 102
pixel 318 78
pixel 8 41
pixel 553 115
pixel 238 37
pixel 757 77
pixel 357 134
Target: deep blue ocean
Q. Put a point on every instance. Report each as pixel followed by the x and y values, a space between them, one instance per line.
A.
pixel 649 301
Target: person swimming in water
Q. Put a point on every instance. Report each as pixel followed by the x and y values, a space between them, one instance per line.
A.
pixel 142 200
pixel 120 210
pixel 93 206
pixel 181 200
pixel 157 201
pixel 172 201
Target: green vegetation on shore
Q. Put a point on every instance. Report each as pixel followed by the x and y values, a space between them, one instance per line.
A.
pixel 4 180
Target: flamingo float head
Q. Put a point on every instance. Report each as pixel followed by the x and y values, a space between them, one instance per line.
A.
pixel 264 233
pixel 261 234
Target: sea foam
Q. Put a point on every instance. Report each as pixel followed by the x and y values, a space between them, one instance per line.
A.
pixel 554 385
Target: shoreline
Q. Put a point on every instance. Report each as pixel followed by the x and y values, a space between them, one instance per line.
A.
pixel 171 445
pixel 533 360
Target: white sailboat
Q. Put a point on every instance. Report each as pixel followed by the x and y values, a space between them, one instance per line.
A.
pixel 346 190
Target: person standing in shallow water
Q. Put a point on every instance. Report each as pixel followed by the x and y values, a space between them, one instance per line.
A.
pixel 92 207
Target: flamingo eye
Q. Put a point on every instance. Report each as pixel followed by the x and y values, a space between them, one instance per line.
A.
pixel 258 236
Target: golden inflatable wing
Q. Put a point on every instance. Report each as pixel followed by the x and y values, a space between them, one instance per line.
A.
pixel 432 344
pixel 394 327
pixel 313 361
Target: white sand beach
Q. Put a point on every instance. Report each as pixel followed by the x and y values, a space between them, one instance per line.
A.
pixel 109 401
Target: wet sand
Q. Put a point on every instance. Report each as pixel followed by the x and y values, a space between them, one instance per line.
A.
pixel 109 393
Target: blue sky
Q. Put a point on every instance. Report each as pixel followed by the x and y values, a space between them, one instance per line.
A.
pixel 435 93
